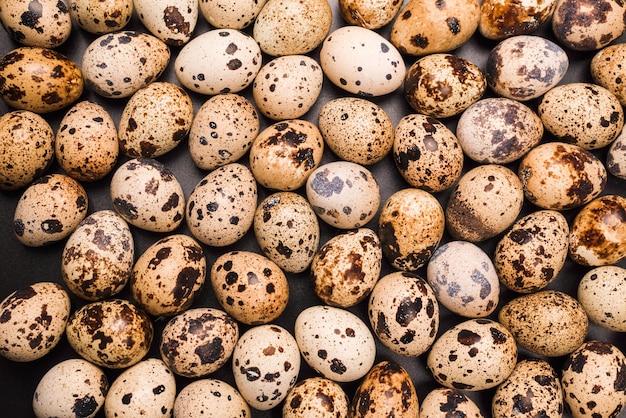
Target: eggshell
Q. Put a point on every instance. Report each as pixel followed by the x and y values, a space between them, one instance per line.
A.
pixel 362 62
pixel 101 17
pixel 230 14
pixel 172 21
pixel 200 397
pixel 147 388
pixel 32 321
pixel 593 380
pixel 98 257
pixel 117 64
pixel 598 232
pixel 473 355
pixel 404 313
pixel 249 286
pixel 411 224
pixel 148 195
pixel 450 401
pixel 49 210
pixel 501 19
pixel 292 27
pixel 601 292
pixel 266 364
pixel 335 342
pixel 59 81
pixel 316 397
pixel 607 69
pixel 386 390
pixel 27 148
pixel 370 14
pixel 71 387
pixel 548 323
pixel 220 209
pixel 46 24
pixel 464 279
pixel 616 157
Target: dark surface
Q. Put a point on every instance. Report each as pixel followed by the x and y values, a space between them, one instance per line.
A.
pixel 21 265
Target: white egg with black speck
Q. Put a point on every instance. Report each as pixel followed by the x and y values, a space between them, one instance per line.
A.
pixel 172 21
pixel 237 14
pixel 46 23
pixel 103 16
pixel 616 157
pixel 601 292
pixel 452 401
pixel 200 397
pixel 316 397
pixel 607 69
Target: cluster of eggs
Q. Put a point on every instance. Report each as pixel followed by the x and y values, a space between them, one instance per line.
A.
pixel 518 165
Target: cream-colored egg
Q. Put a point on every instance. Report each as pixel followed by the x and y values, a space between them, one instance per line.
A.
pixel 103 16
pixel 452 401
pixel 46 24
pixel 200 397
pixel 316 397
pixel 501 19
pixel 231 14
pixel 601 292
pixel 607 69
pixel 616 157
pixel 370 14
pixel 172 21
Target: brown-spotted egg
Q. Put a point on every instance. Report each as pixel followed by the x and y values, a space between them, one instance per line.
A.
pixel 103 16
pixel 608 71
pixel 371 14
pixel 45 23
pixel 601 292
pixel 200 397
pixel 172 21
pixel 451 401
pixel 501 19
pixel 616 157
pixel 316 397
pixel 237 14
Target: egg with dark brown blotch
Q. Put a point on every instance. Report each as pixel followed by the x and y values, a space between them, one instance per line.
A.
pixel 386 390
pixel 198 341
pixel 548 323
pixel 593 380
pixel 533 387
pixel 450 401
pixel 598 232
pixel 103 16
pixel 46 23
pixel 33 320
pixel 532 253
pixel 200 397
pixel 172 21
pixel 49 210
pixel 616 157
pixel 230 14
pixel 602 292
pixel 370 14
pixel 112 333
pixel 404 313
pixel 473 355
pixel 501 19
pixel 608 71
pixel 316 397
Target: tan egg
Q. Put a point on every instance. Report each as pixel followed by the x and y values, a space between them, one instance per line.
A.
pixel 421 29
pixel 101 17
pixel 230 14
pixel 452 401
pixel 601 292
pixel 285 153
pixel 583 114
pixel 386 390
pixel 616 157
pixel 598 232
pixel 427 153
pixel 501 19
pixel 172 21
pixel 356 129
pixel 548 323
pixel 59 81
pixel 200 397
pixel 46 23
pixel 316 397
pixel 292 27
pixel 250 287
pixel 86 144
pixel 607 69
pixel 485 202
pixel 370 14
pixel 533 251
pixel 410 226
pixel 559 176
pixel 27 148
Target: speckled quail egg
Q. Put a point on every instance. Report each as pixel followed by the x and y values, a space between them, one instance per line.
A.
pixel 532 252
pixel 335 342
pixel 316 397
pixel 411 224
pixel 285 153
pixel 32 321
pixel 616 157
pixel 148 195
pixel 118 64
pixel 404 313
pixel 218 61
pixel 485 202
pixel 473 355
pixel 86 144
pixel 220 209
pixel 608 71
pixel 548 323
pixel 443 85
pixel 584 114
pixel 501 19
pixel 101 17
pixel 27 148
pixel 172 21
pixel 558 175
pixel 112 333
pixel 386 390
pixel 593 380
pixel 45 23
pixel 49 210
pixel 287 230
pixel 427 153
pixel 200 397
pixel 73 387
pixel 371 14
pixel 532 389
pixel 292 27
pixel 362 62
pixel 98 257
pixel 250 287
pixel 498 130
pixel 287 86
pixel 148 388
pixel 449 401
pixel 228 14
pixel 356 129
pixel 601 292
pixel 598 232
pixel 222 130
pixel 168 274
pixel 344 195
pixel 266 364
pixel 198 341
pixel 346 268
pixel 421 29
pixel 59 81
